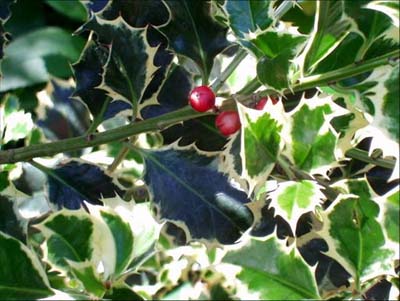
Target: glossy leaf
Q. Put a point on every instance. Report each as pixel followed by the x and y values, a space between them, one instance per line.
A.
pixel 187 190
pixel 249 18
pixel 22 275
pixel 278 49
pixel 330 27
pixel 391 214
pixel 128 70
pixel 74 182
pixel 261 142
pixel 10 219
pixel 58 114
pixel 293 199
pixel 88 277
pixel 313 140
pixel 274 272
pixel 192 32
pixel 391 8
pixel 71 8
pixel 354 235
pixel 39 51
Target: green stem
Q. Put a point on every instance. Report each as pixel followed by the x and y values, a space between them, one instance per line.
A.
pixel 160 122
pixel 219 82
pixel 361 155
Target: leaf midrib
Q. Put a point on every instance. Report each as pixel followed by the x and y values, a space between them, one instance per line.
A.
pixel 294 287
pixel 198 41
pixel 188 187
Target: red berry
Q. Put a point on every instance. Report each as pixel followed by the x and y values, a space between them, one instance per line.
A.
pixel 202 98
pixel 228 122
pixel 263 101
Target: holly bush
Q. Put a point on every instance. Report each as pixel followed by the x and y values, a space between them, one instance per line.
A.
pixel 112 186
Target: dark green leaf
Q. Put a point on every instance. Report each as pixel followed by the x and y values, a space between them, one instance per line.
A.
pixel 187 190
pixel 21 274
pixel 330 28
pixel 273 271
pixel 90 279
pixel 354 235
pixel 69 236
pixel 73 9
pixel 10 222
pixel 194 33
pixel 122 293
pixel 25 62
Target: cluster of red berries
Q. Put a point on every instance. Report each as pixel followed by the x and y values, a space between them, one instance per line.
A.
pixel 202 99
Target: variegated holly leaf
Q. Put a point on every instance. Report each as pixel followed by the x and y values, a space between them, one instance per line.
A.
pixel 378 97
pixel 100 244
pixel 138 13
pixel 188 190
pixel 193 32
pixel 272 271
pixel 390 8
pixel 313 140
pixel 278 48
pixel 248 19
pixel 354 234
pixel 59 115
pixel 88 75
pixel 10 219
pixel 95 6
pixel 22 276
pixel 390 214
pixel 122 292
pixel 261 142
pixel 293 199
pixel 128 70
pixel 375 36
pixel 74 182
pixel 331 26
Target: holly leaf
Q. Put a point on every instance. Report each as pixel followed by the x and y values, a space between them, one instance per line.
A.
pixel 293 199
pixel 48 51
pixel 88 75
pixel 354 236
pixel 72 9
pixel 128 70
pixel 137 14
pixel 194 33
pixel 86 274
pixel 76 240
pixel 261 142
pixel 75 181
pixel 390 8
pixel 277 49
pixel 22 275
pixel 187 190
pixel 313 147
pixel 331 26
pixel 58 114
pixel 122 292
pixel 248 19
pixel 10 219
pixel 391 220
pixel 272 271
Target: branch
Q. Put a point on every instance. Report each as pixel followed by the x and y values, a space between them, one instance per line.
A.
pixel 186 113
